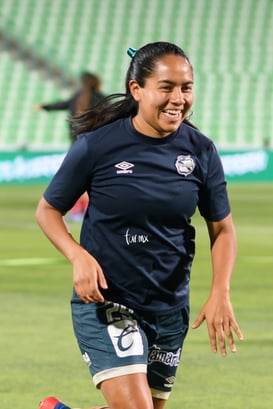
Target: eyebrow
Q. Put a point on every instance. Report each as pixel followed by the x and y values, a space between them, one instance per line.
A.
pixel 172 82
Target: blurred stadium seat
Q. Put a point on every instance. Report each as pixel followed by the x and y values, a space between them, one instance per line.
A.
pixel 229 44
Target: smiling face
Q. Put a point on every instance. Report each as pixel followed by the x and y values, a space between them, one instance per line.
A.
pixel 166 98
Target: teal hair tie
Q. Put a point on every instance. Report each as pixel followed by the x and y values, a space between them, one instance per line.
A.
pixel 131 52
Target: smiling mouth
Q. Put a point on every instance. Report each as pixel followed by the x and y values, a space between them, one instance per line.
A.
pixel 173 113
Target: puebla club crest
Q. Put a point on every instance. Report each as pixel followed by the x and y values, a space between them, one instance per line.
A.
pixel 184 165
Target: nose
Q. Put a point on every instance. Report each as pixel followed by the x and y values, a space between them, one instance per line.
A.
pixel 177 96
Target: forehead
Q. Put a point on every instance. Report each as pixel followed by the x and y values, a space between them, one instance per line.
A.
pixel 172 68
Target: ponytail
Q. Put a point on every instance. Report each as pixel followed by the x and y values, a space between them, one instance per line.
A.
pixel 107 110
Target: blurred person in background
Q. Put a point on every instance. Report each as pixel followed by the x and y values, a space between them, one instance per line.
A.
pixel 88 95
pixel 147 169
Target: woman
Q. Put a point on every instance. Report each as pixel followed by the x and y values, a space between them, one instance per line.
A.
pixel 88 95
pixel 146 169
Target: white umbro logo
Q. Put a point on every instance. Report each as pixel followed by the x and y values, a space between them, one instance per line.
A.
pixel 124 167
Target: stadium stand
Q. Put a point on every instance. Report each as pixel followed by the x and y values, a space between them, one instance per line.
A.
pixel 228 42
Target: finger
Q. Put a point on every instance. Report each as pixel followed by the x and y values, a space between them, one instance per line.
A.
pixel 88 294
pixel 237 330
pixel 198 321
pixel 101 280
pixel 212 338
pixel 94 291
pixel 96 298
pixel 229 336
pixel 221 339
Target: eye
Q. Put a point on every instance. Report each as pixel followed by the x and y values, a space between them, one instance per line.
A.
pixel 166 88
pixel 187 88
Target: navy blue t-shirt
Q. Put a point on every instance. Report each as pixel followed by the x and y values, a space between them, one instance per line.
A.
pixel 143 192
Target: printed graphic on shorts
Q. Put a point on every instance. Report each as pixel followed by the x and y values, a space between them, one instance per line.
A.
pixel 165 357
pixel 126 338
pixel 184 165
pixel 117 312
pixel 86 359
pixel 170 382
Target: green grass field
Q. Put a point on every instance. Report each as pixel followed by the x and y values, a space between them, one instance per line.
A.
pixel 38 352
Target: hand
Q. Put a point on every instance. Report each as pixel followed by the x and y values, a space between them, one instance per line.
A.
pixel 88 278
pixel 220 319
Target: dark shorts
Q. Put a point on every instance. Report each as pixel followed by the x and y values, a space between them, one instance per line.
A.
pixel 115 340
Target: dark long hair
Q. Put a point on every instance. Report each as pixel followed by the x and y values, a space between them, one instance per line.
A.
pixel 90 92
pixel 123 105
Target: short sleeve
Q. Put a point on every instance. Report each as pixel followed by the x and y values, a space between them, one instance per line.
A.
pixel 72 178
pixel 213 198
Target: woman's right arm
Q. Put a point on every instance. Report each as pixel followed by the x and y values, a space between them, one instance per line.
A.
pixel 88 276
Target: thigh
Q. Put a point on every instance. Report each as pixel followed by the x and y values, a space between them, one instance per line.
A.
pixel 165 337
pixel 110 340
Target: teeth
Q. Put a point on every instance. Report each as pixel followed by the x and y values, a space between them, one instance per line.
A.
pixel 173 112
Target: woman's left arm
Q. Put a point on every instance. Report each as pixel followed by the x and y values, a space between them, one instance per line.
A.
pixel 218 311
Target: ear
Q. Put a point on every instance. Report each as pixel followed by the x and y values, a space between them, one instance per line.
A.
pixel 135 90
